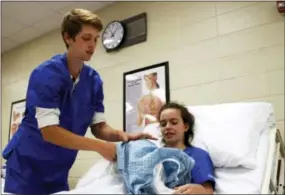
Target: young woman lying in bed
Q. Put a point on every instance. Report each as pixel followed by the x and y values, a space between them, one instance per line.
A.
pixel 176 124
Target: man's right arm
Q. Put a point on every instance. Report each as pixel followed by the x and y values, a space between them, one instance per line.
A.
pixel 59 136
pixel 48 122
pixel 44 96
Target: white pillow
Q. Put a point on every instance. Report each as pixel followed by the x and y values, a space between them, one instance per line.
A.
pixel 154 130
pixel 231 132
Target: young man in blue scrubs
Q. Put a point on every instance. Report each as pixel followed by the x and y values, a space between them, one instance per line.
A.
pixel 64 98
pixel 177 127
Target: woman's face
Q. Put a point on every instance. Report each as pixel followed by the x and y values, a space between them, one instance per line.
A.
pixel 172 126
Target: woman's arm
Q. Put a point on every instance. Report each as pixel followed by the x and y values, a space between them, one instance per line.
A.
pixel 206 188
pixel 202 174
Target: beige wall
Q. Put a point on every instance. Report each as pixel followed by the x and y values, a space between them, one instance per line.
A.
pixel 218 52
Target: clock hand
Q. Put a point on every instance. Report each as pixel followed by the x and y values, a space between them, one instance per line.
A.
pixel 113 33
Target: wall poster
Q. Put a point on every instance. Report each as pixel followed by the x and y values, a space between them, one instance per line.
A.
pixel 146 90
pixel 16 116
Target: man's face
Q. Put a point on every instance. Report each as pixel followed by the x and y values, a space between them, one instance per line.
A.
pixel 84 44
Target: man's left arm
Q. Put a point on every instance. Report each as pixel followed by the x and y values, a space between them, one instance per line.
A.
pixel 105 132
pixel 100 128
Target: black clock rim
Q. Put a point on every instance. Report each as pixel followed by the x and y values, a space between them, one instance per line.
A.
pixel 124 35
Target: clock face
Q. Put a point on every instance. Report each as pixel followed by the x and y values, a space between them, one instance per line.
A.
pixel 113 35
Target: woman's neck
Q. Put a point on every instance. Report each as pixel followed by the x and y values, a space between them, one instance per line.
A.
pixel 74 65
pixel 177 145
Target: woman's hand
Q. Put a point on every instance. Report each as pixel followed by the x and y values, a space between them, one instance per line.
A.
pixel 190 189
pixel 108 151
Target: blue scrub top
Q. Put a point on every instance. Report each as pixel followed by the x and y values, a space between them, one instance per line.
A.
pixel 203 170
pixel 50 86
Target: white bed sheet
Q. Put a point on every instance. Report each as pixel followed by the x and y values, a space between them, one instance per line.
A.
pixel 102 178
pixel 242 180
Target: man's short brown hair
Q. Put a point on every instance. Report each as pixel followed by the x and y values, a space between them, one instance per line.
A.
pixel 74 20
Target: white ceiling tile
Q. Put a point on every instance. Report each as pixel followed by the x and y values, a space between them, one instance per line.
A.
pixel 24 21
pixel 6 8
pixel 26 35
pixel 91 5
pixel 55 5
pixel 26 12
pixel 9 26
pixel 52 22
pixel 7 44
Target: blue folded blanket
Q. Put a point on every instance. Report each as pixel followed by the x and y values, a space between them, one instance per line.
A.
pixel 137 161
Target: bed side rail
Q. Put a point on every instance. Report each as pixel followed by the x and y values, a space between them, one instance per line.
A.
pixel 277 183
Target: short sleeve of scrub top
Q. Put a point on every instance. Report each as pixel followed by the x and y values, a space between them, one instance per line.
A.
pixel 98 101
pixel 43 95
pixel 203 170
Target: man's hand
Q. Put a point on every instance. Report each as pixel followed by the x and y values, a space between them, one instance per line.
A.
pixel 122 136
pixel 141 135
pixel 190 189
pixel 136 136
pixel 108 151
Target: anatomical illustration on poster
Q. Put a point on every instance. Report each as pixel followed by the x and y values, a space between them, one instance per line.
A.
pixel 146 90
pixel 16 116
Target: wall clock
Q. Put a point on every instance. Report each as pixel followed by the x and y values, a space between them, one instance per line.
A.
pixel 125 33
pixel 113 35
pixel 136 30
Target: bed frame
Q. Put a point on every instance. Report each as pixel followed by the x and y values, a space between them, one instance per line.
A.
pixel 274 182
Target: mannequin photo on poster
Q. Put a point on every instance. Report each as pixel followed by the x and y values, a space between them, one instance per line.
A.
pixel 146 90
pixel 16 116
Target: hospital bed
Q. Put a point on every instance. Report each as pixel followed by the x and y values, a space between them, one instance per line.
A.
pixel 224 130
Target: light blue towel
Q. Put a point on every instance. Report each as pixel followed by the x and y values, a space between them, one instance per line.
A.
pixel 136 162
